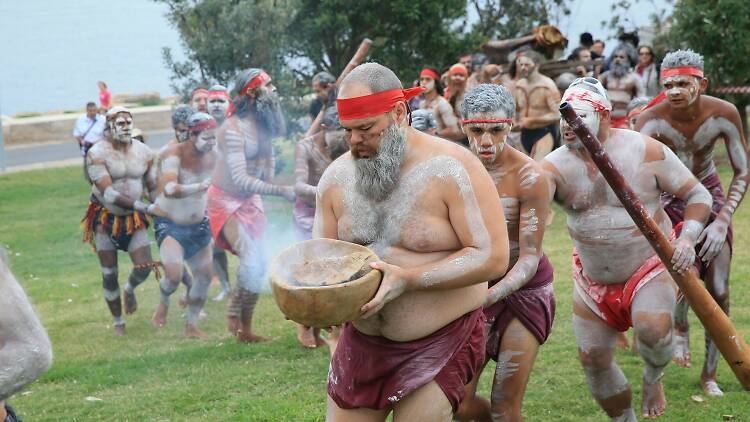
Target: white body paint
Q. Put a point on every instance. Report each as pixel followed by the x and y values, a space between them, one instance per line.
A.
pixel 188 209
pixel 126 168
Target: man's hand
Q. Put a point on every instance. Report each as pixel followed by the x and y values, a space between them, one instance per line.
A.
pixel 288 193
pixel 684 254
pixel 205 184
pixel 494 295
pixel 713 238
pixel 391 287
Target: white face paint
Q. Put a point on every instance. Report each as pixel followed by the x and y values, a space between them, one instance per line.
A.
pixel 487 140
pixel 206 140
pixel 217 107
pixel 681 90
pixel 589 116
pixel 122 129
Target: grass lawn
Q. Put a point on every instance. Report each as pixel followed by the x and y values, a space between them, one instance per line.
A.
pixel 157 375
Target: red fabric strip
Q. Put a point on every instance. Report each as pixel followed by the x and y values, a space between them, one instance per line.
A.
pixel 683 70
pixel 430 74
pixel 374 104
pixel 469 121
pixel 203 125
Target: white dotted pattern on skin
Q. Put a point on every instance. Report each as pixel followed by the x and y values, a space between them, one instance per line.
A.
pixel 529 176
pixel 714 127
pixel 381 223
pixel 506 368
pixel 659 127
pixel 529 221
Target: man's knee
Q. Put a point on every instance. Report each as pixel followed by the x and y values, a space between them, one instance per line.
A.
pixel 109 278
pixel 652 330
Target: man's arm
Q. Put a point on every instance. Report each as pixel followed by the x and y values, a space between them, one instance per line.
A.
pixel 25 350
pixel 534 206
pixel 100 177
pixel 170 171
pixel 237 162
pixel 477 219
pixel 716 233
pixel 325 224
pixel 451 131
pixel 674 178
pixel 303 190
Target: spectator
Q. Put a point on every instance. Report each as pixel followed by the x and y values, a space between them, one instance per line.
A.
pixel 447 122
pixel 648 70
pixel 89 128
pixel 597 49
pixel 105 96
pixel 583 54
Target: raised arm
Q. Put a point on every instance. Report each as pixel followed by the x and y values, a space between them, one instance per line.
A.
pixel 534 197
pixel 237 162
pixel 25 350
pixel 97 171
pixel 478 221
pixel 303 190
pixel 674 178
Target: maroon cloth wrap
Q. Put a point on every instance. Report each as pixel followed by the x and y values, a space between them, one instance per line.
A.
pixel 675 209
pixel 375 372
pixel 533 305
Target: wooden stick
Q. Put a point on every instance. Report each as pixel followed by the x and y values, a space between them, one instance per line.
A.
pixel 717 323
pixel 359 55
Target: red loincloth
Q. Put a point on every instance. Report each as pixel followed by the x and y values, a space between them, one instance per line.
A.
pixel 303 216
pixel 248 211
pixel 375 372
pixel 533 305
pixel 675 209
pixel 614 300
pixel 619 122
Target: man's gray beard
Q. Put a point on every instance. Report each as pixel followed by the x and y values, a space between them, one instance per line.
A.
pixel 620 70
pixel 268 110
pixel 377 177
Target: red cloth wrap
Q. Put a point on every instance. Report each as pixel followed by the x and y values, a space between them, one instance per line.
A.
pixel 248 211
pixel 458 68
pixel 374 104
pixel 480 121
pixel 198 90
pixel 682 70
pixel 430 74
pixel 533 305
pixel 675 209
pixel 619 122
pixel 586 97
pixel 218 94
pixel 203 125
pixel 374 372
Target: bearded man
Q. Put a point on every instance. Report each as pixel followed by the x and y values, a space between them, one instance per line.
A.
pixel 447 123
pixel 426 207
pixel 218 104
pixel 690 124
pixel 622 84
pixel 244 172
pixel 121 172
pixel 182 230
pixel 520 306
pixel 199 99
pixel 618 280
pixel 536 99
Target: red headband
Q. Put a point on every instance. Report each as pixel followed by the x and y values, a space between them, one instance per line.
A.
pixel 218 94
pixel 682 70
pixel 203 125
pixel 586 97
pixel 374 104
pixel 458 68
pixel 254 83
pixel 198 90
pixel 477 121
pixel 429 73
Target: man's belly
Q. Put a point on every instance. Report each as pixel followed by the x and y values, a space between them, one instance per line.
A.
pixel 188 210
pixel 417 314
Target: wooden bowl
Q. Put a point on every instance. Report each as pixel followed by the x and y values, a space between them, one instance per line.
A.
pixel 324 282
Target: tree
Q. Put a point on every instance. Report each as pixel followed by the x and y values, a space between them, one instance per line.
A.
pixel 504 19
pixel 406 33
pixel 719 32
pixel 221 37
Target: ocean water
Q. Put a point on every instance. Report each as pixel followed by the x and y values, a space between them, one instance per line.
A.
pixel 52 53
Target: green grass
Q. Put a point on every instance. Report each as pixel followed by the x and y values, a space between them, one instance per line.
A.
pixel 157 375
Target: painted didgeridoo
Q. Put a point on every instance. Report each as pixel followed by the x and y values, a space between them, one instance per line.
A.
pixel 728 340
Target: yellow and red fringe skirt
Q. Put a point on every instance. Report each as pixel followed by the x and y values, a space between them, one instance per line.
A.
pixel 119 227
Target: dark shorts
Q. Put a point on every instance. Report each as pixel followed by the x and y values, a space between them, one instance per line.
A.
pixel 12 417
pixel 529 137
pixel 192 237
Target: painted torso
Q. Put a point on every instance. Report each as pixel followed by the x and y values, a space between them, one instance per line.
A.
pixel 533 98
pixel 191 168
pixel 238 136
pixel 126 167
pixel 620 91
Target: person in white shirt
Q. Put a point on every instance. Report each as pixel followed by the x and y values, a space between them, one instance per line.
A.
pixel 89 128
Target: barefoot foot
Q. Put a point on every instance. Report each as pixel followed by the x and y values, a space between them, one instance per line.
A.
pixel 160 315
pixel 233 325
pixel 711 388
pixel 191 331
pixel 681 353
pixel 306 337
pixel 245 337
pixel 654 402
pixel 129 302
pixel 119 330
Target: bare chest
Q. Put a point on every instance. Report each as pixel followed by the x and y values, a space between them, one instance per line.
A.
pixel 130 164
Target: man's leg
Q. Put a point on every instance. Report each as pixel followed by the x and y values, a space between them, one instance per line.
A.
pixel 107 253
pixel 518 350
pixel 249 280
pixel 336 414
pixel 717 283
pixel 140 254
pixel 221 270
pixel 425 404
pixel 542 147
pixel 681 353
pixel 200 265
pixel 474 407
pixel 171 254
pixel 652 311
pixel 187 280
pixel 596 348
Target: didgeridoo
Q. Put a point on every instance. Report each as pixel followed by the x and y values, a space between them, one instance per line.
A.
pixel 728 340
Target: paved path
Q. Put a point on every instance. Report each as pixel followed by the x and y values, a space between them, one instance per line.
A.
pixel 59 154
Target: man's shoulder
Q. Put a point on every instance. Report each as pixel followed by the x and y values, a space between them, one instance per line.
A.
pixel 717 107
pixel 141 149
pixel 339 172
